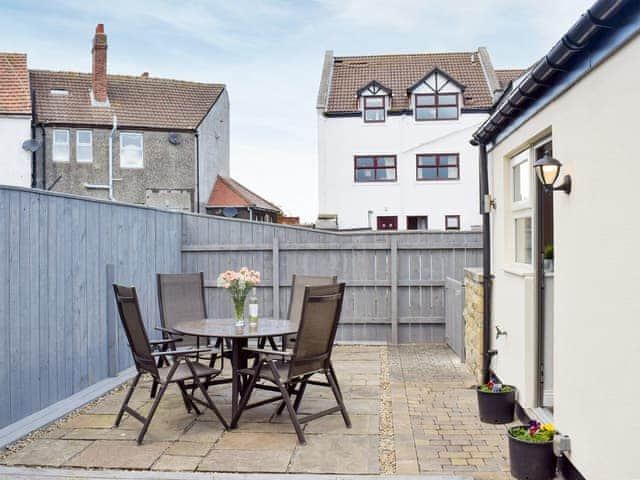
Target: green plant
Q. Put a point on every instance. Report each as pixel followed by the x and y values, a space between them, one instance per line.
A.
pixel 548 252
pixel 535 432
pixel 492 386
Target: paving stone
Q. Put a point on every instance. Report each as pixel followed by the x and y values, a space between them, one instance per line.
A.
pixel 203 432
pixel 47 452
pixel 174 463
pixel 189 449
pixel 118 454
pixel 256 441
pixel 246 461
pixel 360 425
pixel 90 421
pixel 100 434
pixel 337 454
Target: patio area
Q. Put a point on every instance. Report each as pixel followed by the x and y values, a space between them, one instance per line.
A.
pixel 413 411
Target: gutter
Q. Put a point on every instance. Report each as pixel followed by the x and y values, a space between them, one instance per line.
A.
pixel 548 71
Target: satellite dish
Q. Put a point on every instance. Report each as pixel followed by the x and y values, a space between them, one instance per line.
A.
pixel 174 139
pixel 31 145
pixel 230 212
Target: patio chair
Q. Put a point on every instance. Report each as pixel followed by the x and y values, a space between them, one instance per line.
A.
pixel 181 297
pixel 182 371
pixel 298 283
pixel 291 371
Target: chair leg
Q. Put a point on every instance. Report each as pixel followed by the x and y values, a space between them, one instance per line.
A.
pixel 206 396
pixel 152 412
pixel 335 378
pixel 189 405
pixel 262 342
pixel 339 399
pixel 300 393
pixel 287 400
pixel 127 398
pixel 272 343
pixel 244 400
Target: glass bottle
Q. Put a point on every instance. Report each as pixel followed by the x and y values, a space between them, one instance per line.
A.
pixel 253 307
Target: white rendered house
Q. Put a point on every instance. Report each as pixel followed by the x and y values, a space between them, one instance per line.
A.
pixel 393 139
pixel 15 120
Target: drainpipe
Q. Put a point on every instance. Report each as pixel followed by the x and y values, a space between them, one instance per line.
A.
pixel 33 137
pixel 44 156
pixel 485 209
pixel 197 172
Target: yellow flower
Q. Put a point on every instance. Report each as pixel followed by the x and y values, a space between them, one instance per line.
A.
pixel 548 427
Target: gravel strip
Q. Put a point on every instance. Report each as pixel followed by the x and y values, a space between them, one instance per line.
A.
pixel 387 451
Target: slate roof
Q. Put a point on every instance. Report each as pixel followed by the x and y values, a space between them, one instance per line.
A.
pixel 400 72
pixel 227 192
pixel 14 84
pixel 143 102
pixel 506 76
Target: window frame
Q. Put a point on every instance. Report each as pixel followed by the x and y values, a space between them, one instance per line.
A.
pixel 54 143
pixel 426 221
pixel 521 209
pixel 394 222
pixel 436 105
pixel 90 145
pixel 446 225
pixel 436 166
pixel 365 108
pixel 375 168
pixel 141 136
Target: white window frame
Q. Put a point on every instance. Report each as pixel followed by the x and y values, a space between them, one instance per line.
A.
pixel 522 208
pixel 90 145
pixel 141 149
pixel 54 143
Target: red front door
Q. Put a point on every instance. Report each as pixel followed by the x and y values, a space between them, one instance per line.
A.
pixel 388 223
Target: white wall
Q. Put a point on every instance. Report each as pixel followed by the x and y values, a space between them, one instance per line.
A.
pixel 340 138
pixel 597 271
pixel 15 163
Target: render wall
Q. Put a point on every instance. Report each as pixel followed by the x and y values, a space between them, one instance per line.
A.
pixel 15 163
pixel 340 138
pixel 597 273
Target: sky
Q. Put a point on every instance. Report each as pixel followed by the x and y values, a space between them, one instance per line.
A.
pixel 270 53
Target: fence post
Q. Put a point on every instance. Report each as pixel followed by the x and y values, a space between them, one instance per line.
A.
pixel 112 337
pixel 276 277
pixel 394 290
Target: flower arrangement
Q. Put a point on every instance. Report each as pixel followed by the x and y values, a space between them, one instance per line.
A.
pixel 535 432
pixel 492 386
pixel 239 285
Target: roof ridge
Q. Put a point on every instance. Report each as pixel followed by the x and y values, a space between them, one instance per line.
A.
pixel 133 77
pixel 407 54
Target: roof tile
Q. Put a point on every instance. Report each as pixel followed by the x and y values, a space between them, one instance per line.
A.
pixel 14 84
pixel 227 192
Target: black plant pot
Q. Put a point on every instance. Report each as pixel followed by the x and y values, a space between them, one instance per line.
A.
pixel 531 461
pixel 496 407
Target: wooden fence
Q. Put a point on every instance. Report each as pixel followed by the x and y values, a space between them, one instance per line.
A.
pixel 454 321
pixel 59 255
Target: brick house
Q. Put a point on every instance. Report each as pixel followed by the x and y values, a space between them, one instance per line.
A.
pixel 229 198
pixel 166 140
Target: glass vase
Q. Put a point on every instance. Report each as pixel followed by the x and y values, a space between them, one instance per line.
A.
pixel 238 303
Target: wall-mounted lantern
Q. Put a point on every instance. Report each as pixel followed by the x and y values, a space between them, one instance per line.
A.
pixel 548 170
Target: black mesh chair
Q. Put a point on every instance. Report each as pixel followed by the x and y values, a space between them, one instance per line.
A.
pixel 291 371
pixel 181 297
pixel 181 369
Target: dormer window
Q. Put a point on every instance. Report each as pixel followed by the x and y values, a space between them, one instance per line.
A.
pixel 436 97
pixel 374 110
pixel 435 106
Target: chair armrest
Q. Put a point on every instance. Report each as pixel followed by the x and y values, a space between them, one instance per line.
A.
pixel 165 341
pixel 183 353
pixel 265 351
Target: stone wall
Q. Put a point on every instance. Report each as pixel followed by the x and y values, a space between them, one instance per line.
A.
pixel 472 313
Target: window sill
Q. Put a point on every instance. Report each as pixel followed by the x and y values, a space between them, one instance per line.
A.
pixel 438 182
pixel 519 269
pixel 367 184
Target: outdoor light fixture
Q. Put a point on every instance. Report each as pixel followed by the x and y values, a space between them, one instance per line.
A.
pixel 548 170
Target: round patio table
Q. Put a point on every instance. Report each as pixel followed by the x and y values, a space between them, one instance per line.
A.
pixel 226 329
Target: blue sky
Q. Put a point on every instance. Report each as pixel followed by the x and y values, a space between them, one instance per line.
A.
pixel 270 55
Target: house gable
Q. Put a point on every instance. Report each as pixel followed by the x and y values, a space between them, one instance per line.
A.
pixel 373 88
pixel 436 81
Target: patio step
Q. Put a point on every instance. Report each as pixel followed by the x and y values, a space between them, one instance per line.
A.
pixel 27 473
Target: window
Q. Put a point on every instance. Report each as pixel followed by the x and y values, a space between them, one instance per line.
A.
pixel 438 166
pixel 84 146
pixel 373 109
pixel 521 180
pixel 452 222
pixel 61 145
pixel 131 150
pixel 388 223
pixel 375 168
pixel 436 106
pixel 417 222
pixel 523 240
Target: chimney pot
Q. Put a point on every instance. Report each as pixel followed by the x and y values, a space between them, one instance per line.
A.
pixel 145 75
pixel 99 65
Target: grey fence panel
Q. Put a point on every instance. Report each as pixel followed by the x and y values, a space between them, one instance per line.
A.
pixel 454 324
pixel 54 252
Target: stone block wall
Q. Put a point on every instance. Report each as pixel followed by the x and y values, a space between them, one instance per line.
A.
pixel 472 313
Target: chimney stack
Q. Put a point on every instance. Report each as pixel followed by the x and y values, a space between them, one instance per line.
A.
pixel 99 66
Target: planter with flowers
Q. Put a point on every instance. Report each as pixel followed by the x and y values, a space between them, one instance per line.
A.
pixel 496 402
pixel 531 451
pixel 239 285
